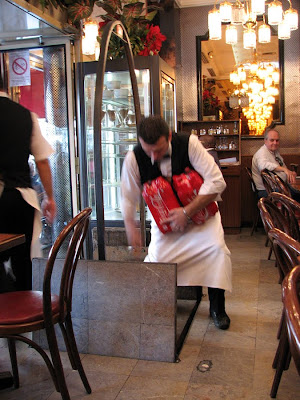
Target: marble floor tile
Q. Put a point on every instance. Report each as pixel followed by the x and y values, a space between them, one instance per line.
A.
pixel 140 388
pixel 229 366
pixel 179 371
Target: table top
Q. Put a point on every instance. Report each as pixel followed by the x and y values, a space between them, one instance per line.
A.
pixel 9 240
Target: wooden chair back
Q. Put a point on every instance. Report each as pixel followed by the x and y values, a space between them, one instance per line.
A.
pixel 291 302
pixel 286 249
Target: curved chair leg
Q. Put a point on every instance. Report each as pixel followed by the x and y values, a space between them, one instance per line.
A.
pixel 255 223
pixel 280 360
pixel 14 363
pixel 74 350
pixel 57 364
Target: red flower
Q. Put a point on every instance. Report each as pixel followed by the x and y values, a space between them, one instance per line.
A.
pixel 153 41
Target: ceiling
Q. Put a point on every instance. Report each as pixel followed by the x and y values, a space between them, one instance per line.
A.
pixel 194 3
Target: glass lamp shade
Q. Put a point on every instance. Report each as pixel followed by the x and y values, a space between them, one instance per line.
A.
pixel 237 13
pixel 225 11
pixel 291 16
pixel 264 34
pixel 284 31
pixel 242 73
pixel 275 12
pixel 249 38
pixel 214 24
pixel 233 76
pixel 258 6
pixel 244 101
pixel 234 101
pixel 275 76
pixel 231 34
pixel 89 41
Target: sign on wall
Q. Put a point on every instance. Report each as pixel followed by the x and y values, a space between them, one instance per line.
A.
pixel 19 68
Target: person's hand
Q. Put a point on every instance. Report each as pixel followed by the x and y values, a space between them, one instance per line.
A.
pixel 49 209
pixel 291 176
pixel 177 220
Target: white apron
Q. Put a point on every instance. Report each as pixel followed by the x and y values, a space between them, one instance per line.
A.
pixel 200 252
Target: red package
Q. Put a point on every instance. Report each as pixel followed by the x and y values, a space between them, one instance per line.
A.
pixel 160 199
pixel 187 186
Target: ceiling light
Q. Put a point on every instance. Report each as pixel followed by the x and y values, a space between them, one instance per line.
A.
pixel 249 38
pixel 237 13
pixel 258 6
pixel 275 12
pixel 264 33
pixel 291 16
pixel 89 40
pixel 214 24
pixel 284 31
pixel 231 34
pixel 225 11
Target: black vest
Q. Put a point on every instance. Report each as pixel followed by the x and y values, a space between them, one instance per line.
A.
pixel 180 159
pixel 15 139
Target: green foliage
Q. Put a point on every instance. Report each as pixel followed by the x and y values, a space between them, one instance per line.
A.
pixel 134 16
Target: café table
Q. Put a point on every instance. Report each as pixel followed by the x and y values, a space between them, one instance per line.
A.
pixel 7 241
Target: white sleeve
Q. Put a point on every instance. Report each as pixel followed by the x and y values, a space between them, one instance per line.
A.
pixel 206 166
pixel 40 148
pixel 130 186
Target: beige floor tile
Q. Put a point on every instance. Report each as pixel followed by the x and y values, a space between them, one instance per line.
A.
pixel 215 392
pixel 112 365
pixel 179 371
pixel 139 388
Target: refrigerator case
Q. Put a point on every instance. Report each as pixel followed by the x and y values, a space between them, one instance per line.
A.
pixel 156 85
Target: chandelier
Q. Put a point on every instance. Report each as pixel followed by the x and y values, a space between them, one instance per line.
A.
pixel 245 13
pixel 256 92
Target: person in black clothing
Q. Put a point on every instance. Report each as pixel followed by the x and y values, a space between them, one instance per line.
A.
pixel 21 136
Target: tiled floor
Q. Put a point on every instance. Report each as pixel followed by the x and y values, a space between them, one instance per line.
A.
pixel 240 359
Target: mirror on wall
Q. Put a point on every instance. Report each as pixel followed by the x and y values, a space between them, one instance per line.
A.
pixel 235 83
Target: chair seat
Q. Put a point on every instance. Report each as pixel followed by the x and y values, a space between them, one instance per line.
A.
pixel 24 307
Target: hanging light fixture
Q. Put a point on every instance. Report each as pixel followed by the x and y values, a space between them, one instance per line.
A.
pixel 258 7
pixel 264 32
pixel 291 15
pixel 89 40
pixel 249 38
pixel 237 13
pixel 214 24
pixel 284 31
pixel 231 34
pixel 225 11
pixel 275 12
pixel 245 12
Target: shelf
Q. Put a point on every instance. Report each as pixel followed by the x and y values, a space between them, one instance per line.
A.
pixel 226 150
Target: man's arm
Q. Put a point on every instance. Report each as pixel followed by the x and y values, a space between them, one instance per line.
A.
pixel 48 205
pixel 291 175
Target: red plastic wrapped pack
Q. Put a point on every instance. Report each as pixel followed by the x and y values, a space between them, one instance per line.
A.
pixel 187 186
pixel 160 198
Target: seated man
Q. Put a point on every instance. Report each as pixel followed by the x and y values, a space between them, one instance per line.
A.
pixel 268 157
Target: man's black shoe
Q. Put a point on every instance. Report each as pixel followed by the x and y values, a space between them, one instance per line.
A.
pixel 6 380
pixel 221 320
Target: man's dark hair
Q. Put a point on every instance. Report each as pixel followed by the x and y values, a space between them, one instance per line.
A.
pixel 150 129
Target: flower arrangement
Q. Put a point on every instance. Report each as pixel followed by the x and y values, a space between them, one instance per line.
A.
pixel 210 102
pixel 145 39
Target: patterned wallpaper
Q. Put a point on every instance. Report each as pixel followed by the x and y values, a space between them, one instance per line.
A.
pixel 192 23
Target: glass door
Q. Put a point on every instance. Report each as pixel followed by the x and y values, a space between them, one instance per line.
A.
pixel 44 92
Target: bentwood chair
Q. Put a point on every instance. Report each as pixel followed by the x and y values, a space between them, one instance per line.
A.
pixel 255 196
pixel 29 311
pixel 269 181
pixel 287 252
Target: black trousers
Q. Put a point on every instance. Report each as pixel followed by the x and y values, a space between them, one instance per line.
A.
pixel 16 216
pixel 217 300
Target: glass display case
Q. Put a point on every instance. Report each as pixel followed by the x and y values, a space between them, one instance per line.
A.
pixel 156 86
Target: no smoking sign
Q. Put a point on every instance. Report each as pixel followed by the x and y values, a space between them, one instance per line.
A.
pixel 19 68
